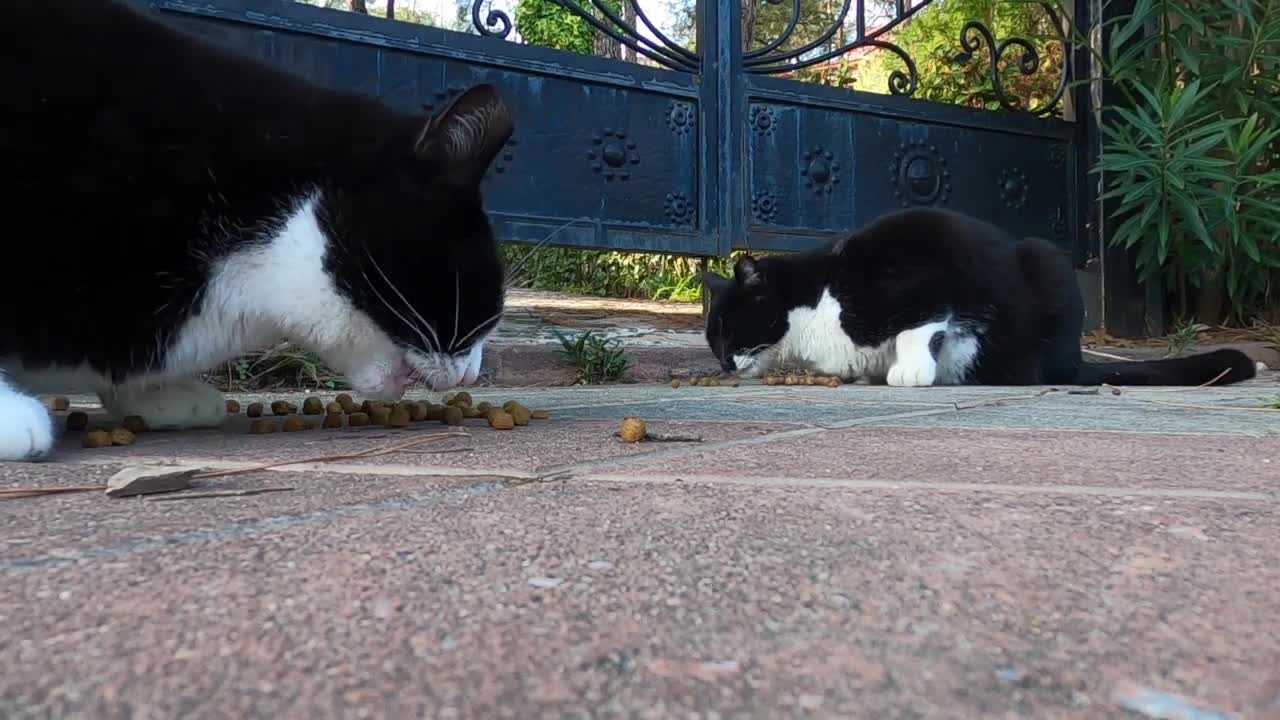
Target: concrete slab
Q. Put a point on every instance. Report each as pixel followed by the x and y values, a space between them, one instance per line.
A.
pixel 851 552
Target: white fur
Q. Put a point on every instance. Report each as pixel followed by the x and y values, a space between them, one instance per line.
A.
pixel 815 339
pixel 255 297
pixel 26 429
pixel 913 363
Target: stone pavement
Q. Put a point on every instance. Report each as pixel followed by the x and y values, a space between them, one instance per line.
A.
pixel 860 552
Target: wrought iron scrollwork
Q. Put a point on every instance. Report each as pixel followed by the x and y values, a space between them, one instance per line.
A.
pixel 599 15
pixel 494 18
pixel 975 36
pixel 770 59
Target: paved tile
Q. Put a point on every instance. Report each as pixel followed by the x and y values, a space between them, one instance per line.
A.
pixel 851 552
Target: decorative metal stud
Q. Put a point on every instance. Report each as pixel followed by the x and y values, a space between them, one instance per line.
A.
pixel 763 119
pixel 919 174
pixel 611 150
pixel 820 170
pixel 764 206
pixel 1014 188
pixel 680 117
pixel 678 209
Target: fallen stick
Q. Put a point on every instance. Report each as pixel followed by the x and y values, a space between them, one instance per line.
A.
pixel 665 437
pixel 216 494
pixel 17 493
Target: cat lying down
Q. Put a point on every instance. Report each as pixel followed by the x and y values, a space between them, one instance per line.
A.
pixel 927 297
pixel 196 204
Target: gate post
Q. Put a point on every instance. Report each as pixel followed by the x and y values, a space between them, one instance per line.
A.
pixel 1130 308
pixel 722 103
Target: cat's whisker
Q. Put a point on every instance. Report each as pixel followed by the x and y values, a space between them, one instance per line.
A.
pixel 457 302
pixel 476 329
pixel 436 346
pixel 395 312
pixel 520 263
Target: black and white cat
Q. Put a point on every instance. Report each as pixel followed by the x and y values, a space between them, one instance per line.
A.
pixel 927 297
pixel 179 204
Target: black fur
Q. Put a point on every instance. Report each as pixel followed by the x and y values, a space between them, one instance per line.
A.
pixel 137 156
pixel 916 266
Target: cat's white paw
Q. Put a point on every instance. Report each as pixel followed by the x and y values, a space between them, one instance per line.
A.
pixel 913 374
pixel 170 406
pixel 26 429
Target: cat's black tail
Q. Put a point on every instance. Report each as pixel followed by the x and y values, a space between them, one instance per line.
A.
pixel 1192 370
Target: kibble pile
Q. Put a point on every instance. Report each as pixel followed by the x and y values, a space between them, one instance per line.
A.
pixel 342 411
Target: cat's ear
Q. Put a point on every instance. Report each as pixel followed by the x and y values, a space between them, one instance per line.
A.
pixel 467 134
pixel 746 272
pixel 715 284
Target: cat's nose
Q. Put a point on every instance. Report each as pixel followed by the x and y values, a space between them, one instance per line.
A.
pixel 728 365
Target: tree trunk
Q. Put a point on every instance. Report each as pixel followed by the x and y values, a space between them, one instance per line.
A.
pixel 359 6
pixel 748 24
pixel 629 15
pixel 391 9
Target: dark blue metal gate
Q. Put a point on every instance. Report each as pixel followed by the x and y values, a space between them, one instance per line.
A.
pixel 709 152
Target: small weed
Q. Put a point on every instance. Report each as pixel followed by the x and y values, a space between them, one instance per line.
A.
pixel 283 366
pixel 1184 337
pixel 597 359
pixel 1271 403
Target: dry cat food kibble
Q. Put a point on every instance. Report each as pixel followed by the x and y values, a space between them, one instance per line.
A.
pixel 255 410
pixel 233 407
pixel 399 417
pixel 134 424
pixel 262 426
pixel 348 404
pixel 312 406
pixel 358 419
pixel 335 407
pixel 633 430
pixel 419 411
pixel 283 407
pixel 295 423
pixel 332 420
pixel 379 414
pixel 96 439
pixel 501 420
pixel 452 415
pixel 59 403
pixel 77 420
pixel 121 436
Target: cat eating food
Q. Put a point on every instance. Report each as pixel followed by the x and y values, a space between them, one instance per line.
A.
pixel 925 297
pixel 195 204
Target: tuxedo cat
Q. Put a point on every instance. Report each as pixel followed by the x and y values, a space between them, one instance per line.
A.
pixel 184 204
pixel 927 297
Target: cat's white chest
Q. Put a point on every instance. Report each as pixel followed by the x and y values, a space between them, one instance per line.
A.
pixel 816 340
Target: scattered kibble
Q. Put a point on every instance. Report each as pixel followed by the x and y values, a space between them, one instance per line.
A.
pixel 334 407
pixel 358 419
pixel 418 411
pixel 134 424
pixel 283 407
pixel 233 407
pixel 399 417
pixel 263 426
pixel 675 383
pixel 59 403
pixel 346 402
pixel 77 420
pixel 501 420
pixel 452 415
pixel 295 423
pixel 122 436
pixel 254 410
pixel 462 398
pixel 540 415
pixel 332 420
pixel 379 414
pixel 312 406
pixel 483 407
pixel 633 430
pixel 96 439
